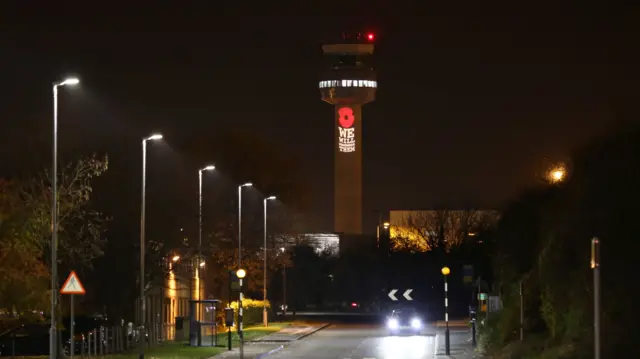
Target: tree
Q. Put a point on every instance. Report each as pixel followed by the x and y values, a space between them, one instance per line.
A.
pixel 25 228
pixel 543 240
pixel 24 284
pixel 423 231
pixel 80 227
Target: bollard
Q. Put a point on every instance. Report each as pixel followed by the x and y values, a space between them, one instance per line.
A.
pixel 95 342
pixel 473 333
pixel 101 340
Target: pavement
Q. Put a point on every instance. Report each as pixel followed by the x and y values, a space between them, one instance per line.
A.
pixel 292 333
pixel 270 344
pixel 348 340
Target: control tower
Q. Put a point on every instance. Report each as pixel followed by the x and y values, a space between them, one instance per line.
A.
pixel 348 82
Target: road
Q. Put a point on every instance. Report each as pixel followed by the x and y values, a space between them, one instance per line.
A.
pixel 371 341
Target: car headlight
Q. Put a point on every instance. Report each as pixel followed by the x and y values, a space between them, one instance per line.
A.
pixel 392 323
pixel 416 323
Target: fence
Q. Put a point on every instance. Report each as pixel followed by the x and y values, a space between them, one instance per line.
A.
pixel 116 339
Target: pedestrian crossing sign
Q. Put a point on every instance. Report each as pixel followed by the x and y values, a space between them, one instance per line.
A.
pixel 72 285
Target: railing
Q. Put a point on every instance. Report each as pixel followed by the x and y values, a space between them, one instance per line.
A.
pixel 118 339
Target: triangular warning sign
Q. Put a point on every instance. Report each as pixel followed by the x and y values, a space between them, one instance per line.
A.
pixel 72 285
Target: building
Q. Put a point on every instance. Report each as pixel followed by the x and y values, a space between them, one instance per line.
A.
pixel 328 243
pixel 168 294
pixel 348 82
pixel 421 230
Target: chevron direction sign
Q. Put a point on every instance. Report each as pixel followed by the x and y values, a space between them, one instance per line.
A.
pixel 406 294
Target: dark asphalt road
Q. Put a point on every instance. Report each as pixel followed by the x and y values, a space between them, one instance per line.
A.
pixel 364 337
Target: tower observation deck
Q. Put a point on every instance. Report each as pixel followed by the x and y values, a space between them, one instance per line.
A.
pixel 348 82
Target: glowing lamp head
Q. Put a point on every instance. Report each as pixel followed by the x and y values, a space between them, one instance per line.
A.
pixel 386 225
pixel 446 271
pixel 370 36
pixel 241 273
pixel 202 264
pixel 248 184
pixel 270 198
pixel 175 258
pixel 155 136
pixel 71 81
pixel 209 168
pixel 557 175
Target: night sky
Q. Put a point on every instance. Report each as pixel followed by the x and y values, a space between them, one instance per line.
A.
pixel 471 102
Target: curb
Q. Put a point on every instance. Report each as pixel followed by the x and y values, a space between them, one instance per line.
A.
pixel 259 340
pixel 314 331
pixel 272 351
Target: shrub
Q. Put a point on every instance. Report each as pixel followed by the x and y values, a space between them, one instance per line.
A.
pixel 252 312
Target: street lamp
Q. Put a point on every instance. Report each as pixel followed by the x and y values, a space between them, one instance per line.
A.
pixel 445 272
pixel 248 184
pixel 241 273
pixel 71 81
pixel 264 277
pixel 206 168
pixel 385 226
pixel 143 306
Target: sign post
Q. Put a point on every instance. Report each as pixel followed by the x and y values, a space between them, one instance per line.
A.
pixel 71 287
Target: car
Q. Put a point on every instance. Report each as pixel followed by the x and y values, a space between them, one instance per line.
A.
pixel 404 321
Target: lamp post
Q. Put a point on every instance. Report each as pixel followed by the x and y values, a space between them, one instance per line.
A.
pixel 248 184
pixel 445 272
pixel 72 81
pixel 199 260
pixel 595 265
pixel 284 287
pixel 264 275
pixel 241 273
pixel 143 306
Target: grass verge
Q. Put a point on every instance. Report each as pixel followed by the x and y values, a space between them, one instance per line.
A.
pixel 181 350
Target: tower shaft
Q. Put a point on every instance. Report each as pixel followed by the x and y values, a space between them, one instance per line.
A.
pixel 348 169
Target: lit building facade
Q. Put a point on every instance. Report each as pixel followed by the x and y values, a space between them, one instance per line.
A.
pixel 328 243
pixel 169 297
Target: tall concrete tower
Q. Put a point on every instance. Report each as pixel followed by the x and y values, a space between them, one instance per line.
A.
pixel 348 82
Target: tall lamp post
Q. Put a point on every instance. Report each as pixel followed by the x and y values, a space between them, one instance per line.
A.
pixel 54 217
pixel 199 262
pixel 248 184
pixel 143 306
pixel 265 320
pixel 445 272
pixel 595 265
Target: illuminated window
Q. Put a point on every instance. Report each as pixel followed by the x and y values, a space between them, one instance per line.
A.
pixel 347 83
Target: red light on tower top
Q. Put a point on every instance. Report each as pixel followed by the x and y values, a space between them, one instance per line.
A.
pixel 370 36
